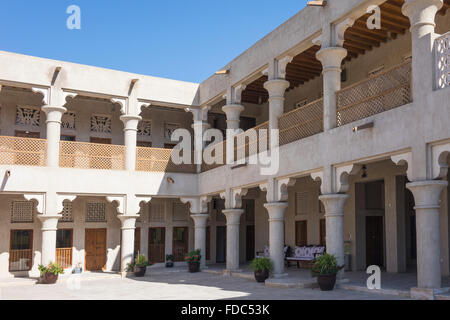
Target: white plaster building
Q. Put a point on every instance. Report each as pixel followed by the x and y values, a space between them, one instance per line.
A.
pixel 364 118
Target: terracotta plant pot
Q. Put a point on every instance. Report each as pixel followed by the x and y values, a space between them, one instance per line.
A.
pixel 194 267
pixel 50 278
pixel 261 275
pixel 139 271
pixel 326 282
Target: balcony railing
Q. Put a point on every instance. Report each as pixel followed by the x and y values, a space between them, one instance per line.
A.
pixel 22 151
pixel 64 257
pixel 20 260
pixel 377 94
pixel 91 156
pixel 159 160
pixel 442 50
pixel 300 123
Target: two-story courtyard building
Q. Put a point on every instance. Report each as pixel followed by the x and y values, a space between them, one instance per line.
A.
pixel 363 113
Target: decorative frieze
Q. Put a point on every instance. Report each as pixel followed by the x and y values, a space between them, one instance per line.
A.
pixel 68 121
pixel 144 128
pixel 101 123
pixel 169 129
pixel 28 116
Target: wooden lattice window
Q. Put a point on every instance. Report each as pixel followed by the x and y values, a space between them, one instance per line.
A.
pixel 95 212
pixel 67 215
pixel 22 211
pixel 144 128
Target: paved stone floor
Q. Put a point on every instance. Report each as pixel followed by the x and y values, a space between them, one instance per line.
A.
pixel 175 285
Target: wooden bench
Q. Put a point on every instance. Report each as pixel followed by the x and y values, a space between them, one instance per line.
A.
pixel 305 254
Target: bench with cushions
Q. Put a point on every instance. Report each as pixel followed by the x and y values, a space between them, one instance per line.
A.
pixel 266 252
pixel 305 254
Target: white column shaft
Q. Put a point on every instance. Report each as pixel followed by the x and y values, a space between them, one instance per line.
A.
pixel 54 115
pixel 276 212
pixel 49 228
pixel 130 137
pixel 233 221
pixel 200 235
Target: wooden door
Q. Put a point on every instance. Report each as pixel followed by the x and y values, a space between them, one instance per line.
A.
pixel 157 245
pixel 374 241
pixel 180 244
pixel 95 252
pixel 21 250
pixel 323 232
pixel 250 243
pixel 301 233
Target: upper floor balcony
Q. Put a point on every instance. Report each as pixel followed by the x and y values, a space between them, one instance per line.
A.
pixel 82 155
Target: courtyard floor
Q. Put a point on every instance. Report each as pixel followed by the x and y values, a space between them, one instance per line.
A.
pixel 160 284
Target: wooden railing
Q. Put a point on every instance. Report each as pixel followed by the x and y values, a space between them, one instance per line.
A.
pixel 91 156
pixel 301 123
pixel 22 151
pixel 64 257
pixel 20 260
pixel 159 160
pixel 442 64
pixel 379 93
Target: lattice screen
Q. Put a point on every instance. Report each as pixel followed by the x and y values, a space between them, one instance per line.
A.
pixel 442 45
pixel 95 212
pixel 157 212
pixel 67 215
pixel 180 212
pixel 22 211
pixel 388 90
pixel 23 151
pixel 301 203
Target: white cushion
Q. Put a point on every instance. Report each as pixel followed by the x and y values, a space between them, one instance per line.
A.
pixel 298 252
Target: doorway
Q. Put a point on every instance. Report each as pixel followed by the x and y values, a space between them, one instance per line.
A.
pixel 95 252
pixel 64 243
pixel 100 140
pixel 301 233
pixel 250 243
pixel 157 245
pixel 221 244
pixel 180 244
pixel 21 250
pixel 374 241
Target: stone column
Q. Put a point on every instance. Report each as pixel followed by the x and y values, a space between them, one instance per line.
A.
pixel 334 216
pixel 427 196
pixel 233 113
pixel 200 235
pixel 130 123
pixel 127 245
pixel 276 89
pixel 276 212
pixel 421 14
pixel 331 59
pixel 49 228
pixel 54 115
pixel 233 221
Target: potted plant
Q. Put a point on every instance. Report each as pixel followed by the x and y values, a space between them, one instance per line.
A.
pixel 169 260
pixel 262 268
pixel 49 274
pixel 325 268
pixel 78 269
pixel 139 266
pixel 193 259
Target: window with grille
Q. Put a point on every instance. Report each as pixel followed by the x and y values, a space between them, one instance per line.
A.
pixel 95 212
pixel 67 215
pixel 22 211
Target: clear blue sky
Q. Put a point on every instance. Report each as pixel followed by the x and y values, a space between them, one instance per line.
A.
pixel 184 40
